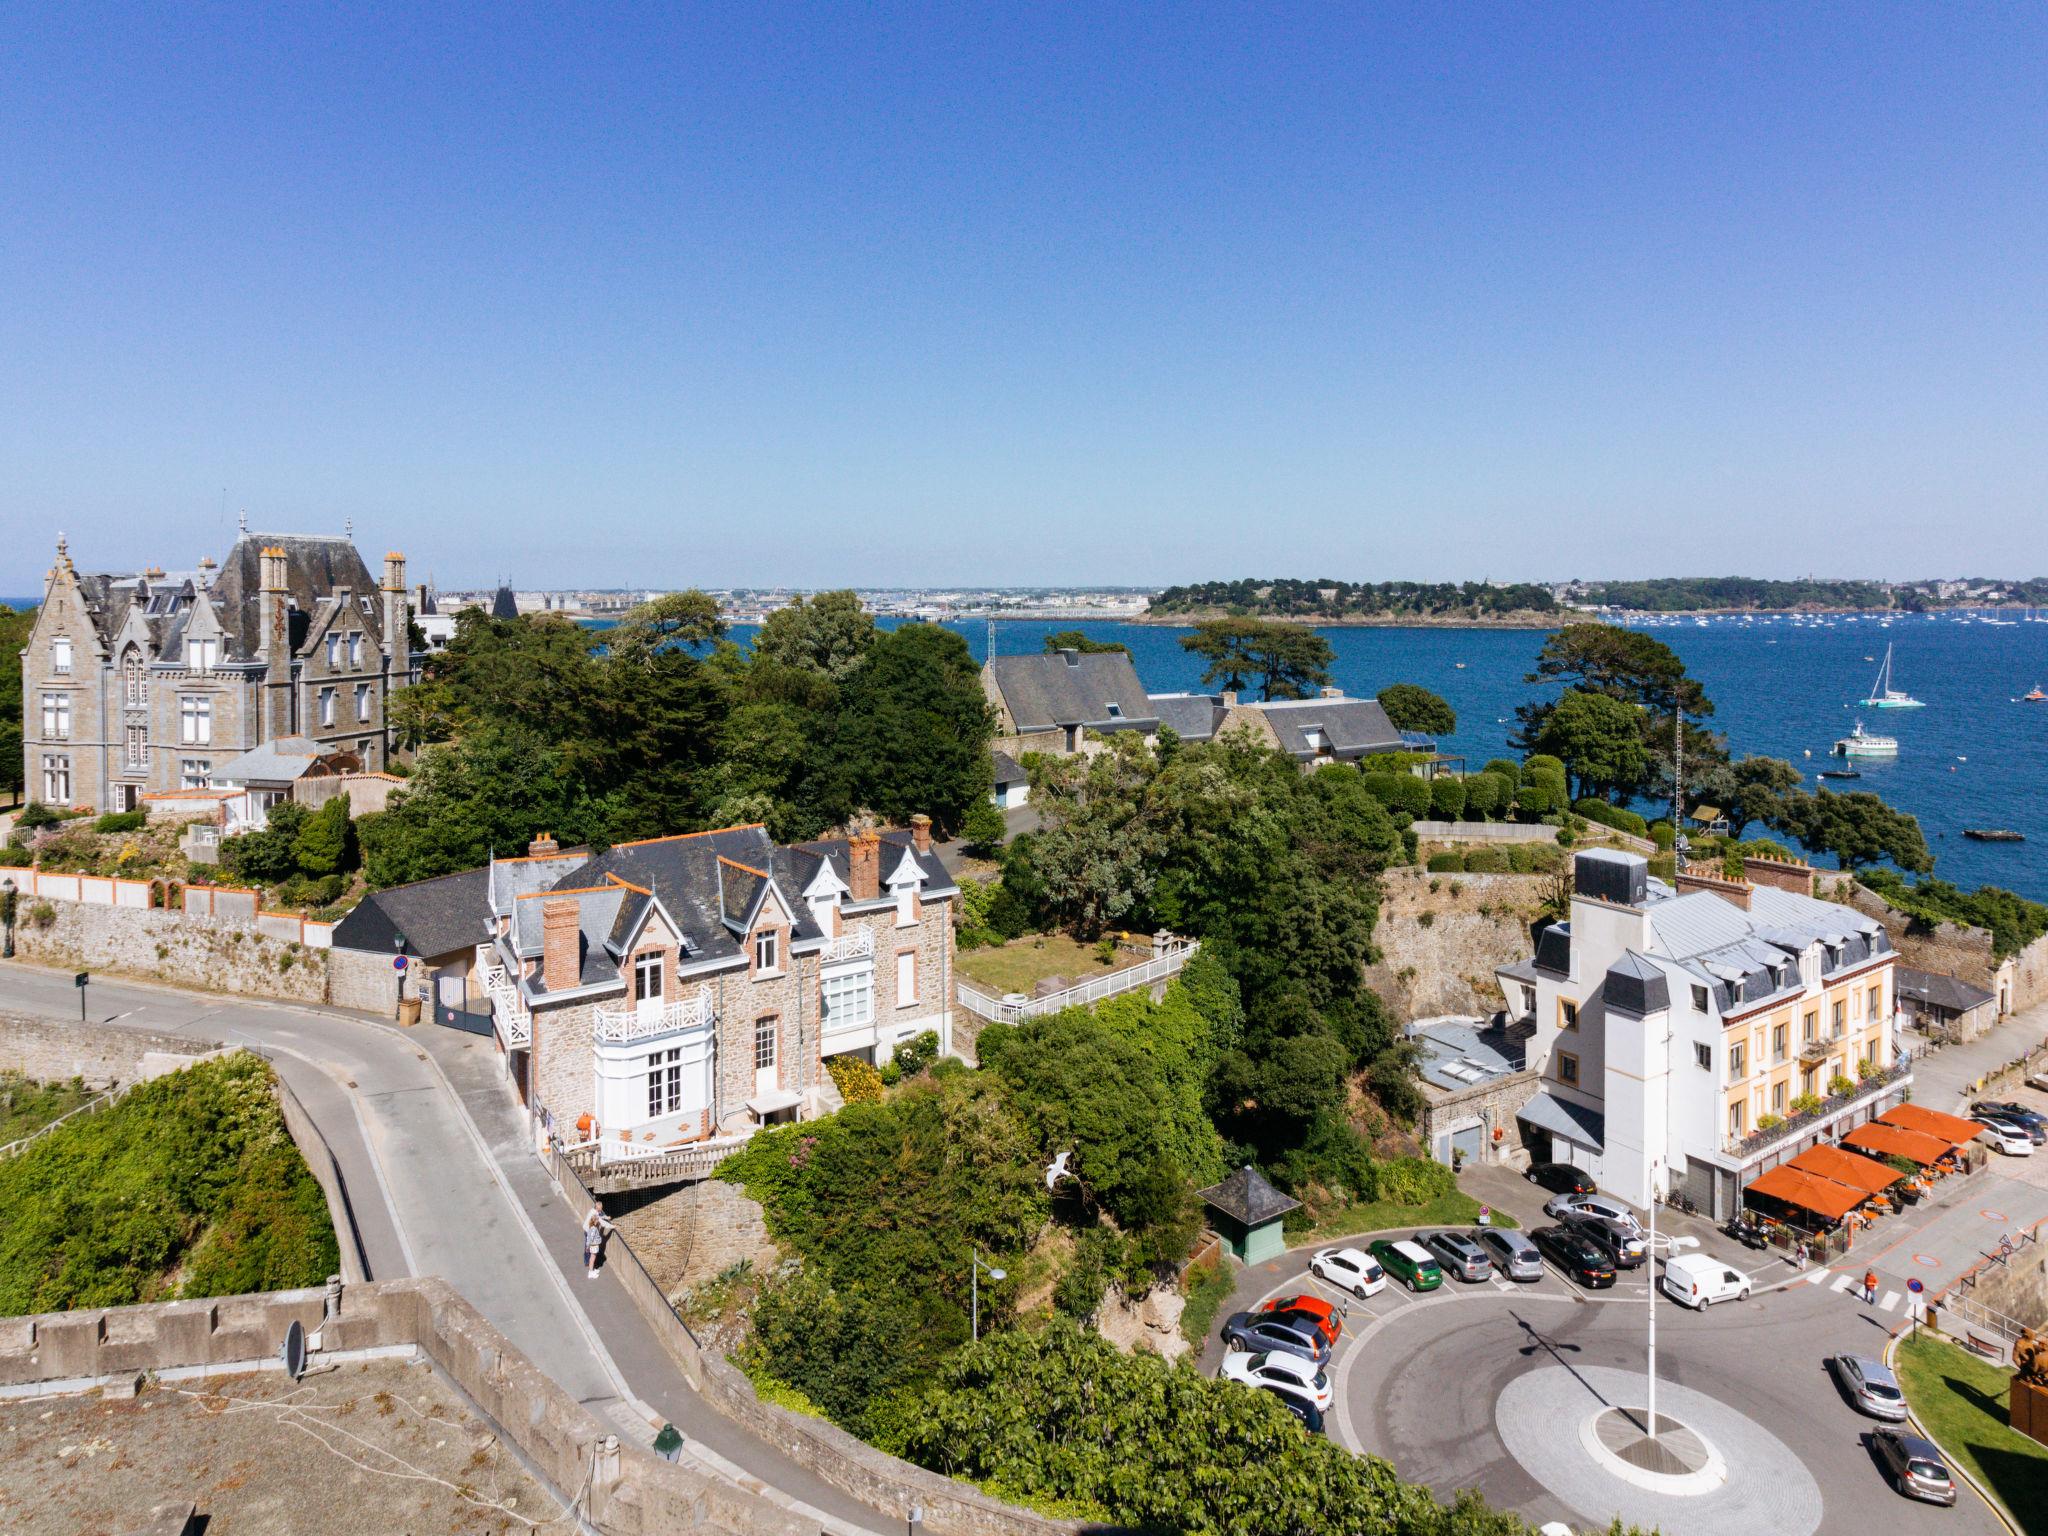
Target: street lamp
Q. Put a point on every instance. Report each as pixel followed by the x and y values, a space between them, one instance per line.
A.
pixel 974 1286
pixel 1673 1244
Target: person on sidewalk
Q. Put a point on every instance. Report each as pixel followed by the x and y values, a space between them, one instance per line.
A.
pixel 1799 1255
pixel 596 1226
pixel 1870 1287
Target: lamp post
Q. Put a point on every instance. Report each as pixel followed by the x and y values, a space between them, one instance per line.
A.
pixel 1674 1244
pixel 974 1286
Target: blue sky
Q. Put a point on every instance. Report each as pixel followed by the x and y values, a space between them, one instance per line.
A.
pixel 1013 295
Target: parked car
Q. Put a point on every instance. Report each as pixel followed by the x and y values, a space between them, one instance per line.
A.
pixel 1310 1415
pixel 2039 1080
pixel 1305 1312
pixel 2012 1109
pixel 2028 1126
pixel 1576 1254
pixel 1871 1386
pixel 1512 1253
pixel 1594 1205
pixel 1624 1249
pixel 1265 1334
pixel 1697 1281
pixel 1460 1254
pixel 1563 1178
pixel 1408 1262
pixel 1287 1374
pixel 1914 1466
pixel 2006 1137
pixel 1359 1273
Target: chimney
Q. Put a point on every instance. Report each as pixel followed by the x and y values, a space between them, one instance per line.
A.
pixel 921 832
pixel 864 864
pixel 561 953
pixel 542 846
pixel 1329 693
pixel 275 645
pixel 1708 877
pixel 1229 698
pixel 1779 874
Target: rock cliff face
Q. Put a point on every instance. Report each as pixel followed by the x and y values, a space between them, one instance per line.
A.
pixel 1440 937
pixel 1152 1322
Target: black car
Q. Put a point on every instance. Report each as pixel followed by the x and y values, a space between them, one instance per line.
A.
pixel 2012 1109
pixel 1561 1178
pixel 1914 1465
pixel 2032 1128
pixel 1623 1250
pixel 1310 1415
pixel 1576 1254
pixel 1247 1330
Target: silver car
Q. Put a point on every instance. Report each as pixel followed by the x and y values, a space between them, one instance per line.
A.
pixel 1513 1254
pixel 1459 1255
pixel 1871 1386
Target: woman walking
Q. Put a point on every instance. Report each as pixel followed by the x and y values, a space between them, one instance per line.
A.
pixel 596 1226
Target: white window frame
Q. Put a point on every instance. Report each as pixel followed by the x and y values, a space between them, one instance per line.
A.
pixel 767 952
pixel 56 717
pixel 766 1028
pixel 134 679
pixel 333 651
pixel 327 706
pixel 57 778
pixel 60 655
pixel 205 654
pixel 195 720
pixel 906 978
pixel 135 745
pixel 847 997
pixel 647 976
pixel 362 701
pixel 664 1082
pixel 355 648
pixel 195 773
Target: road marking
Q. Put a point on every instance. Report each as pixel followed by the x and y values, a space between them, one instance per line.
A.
pixel 1816 1277
pixel 1891 1299
pixel 1842 1283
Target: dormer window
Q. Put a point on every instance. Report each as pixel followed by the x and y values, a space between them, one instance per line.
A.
pixel 767 951
pixel 60 654
pixel 205 654
pixel 647 979
pixel 1116 711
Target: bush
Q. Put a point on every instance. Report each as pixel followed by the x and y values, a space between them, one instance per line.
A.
pixel 1663 834
pixel 1447 798
pixel 1664 866
pixel 15 858
pixel 983 829
pixel 1522 858
pixel 1487 795
pixel 856 1080
pixel 35 815
pixel 1611 816
pixel 1398 791
pixel 121 821
pixel 1448 862
pixel 1839 1085
pixel 1409 844
pixel 1486 861
pixel 1545 857
pixel 917 1053
pixel 326 844
pixel 1769 1122
pixel 1806 1104
pixel 1508 769
pixel 1414 1181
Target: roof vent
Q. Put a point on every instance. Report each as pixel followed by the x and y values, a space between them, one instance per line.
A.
pixel 1072 657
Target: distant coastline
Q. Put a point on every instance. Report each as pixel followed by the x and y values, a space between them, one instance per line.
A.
pixel 1525 619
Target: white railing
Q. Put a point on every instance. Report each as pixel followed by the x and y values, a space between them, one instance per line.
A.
pixel 651 1164
pixel 857 945
pixel 615 1026
pixel 106 1100
pixel 508 1009
pixel 1093 990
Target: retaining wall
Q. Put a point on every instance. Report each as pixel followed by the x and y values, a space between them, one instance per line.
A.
pixel 191 949
pixel 1951 949
pixel 1438 950
pixel 689 1233
pixel 1484 831
pixel 621 1488
pixel 52 1050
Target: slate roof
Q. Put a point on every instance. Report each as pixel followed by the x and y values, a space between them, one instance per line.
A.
pixel 1636 986
pixel 436 917
pixel 1096 689
pixel 315 566
pixel 1350 728
pixel 1008 770
pixel 1578 1123
pixel 1193 716
pixel 1456 1054
pixel 1947 993
pixel 281 761
pixel 1248 1199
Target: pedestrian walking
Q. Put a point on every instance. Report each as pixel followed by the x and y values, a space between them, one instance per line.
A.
pixel 1799 1254
pixel 1870 1287
pixel 596 1226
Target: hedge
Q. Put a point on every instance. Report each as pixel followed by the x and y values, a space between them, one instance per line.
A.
pixel 1399 792
pixel 1487 861
pixel 1611 816
pixel 1447 863
pixel 1447 798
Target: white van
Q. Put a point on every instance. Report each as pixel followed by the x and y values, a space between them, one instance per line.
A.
pixel 1696 1281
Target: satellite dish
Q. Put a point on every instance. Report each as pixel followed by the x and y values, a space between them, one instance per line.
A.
pixel 294 1350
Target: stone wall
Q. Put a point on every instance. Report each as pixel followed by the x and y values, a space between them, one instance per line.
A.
pixel 183 948
pixel 1438 950
pixel 1951 949
pixel 1483 831
pixel 358 978
pixel 53 1050
pixel 1495 1104
pixel 623 1488
pixel 693 1233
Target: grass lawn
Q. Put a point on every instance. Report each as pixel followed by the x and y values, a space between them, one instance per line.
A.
pixel 26 1107
pixel 1021 964
pixel 1960 1398
pixel 1453 1210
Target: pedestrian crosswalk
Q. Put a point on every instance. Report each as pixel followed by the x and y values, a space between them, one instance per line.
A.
pixel 1891 1300
pixel 1842 1283
pixel 1816 1277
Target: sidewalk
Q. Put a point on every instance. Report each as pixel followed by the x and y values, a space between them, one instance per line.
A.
pixel 1942 1078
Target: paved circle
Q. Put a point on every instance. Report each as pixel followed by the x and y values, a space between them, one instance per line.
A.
pixel 1539 1418
pixel 1928 1259
pixel 1992 1215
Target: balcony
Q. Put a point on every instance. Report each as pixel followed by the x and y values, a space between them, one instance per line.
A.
pixel 1870 1087
pixel 617 1026
pixel 858 945
pixel 1813 1052
pixel 508 1009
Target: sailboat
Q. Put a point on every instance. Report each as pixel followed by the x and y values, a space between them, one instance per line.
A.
pixel 1883 695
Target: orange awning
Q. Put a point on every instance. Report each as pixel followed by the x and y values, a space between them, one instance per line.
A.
pixel 1953 1129
pixel 1896 1140
pixel 1864 1173
pixel 1823 1197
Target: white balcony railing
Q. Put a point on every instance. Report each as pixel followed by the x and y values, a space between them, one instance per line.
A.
pixel 508 1009
pixel 615 1026
pixel 1008 1010
pixel 858 945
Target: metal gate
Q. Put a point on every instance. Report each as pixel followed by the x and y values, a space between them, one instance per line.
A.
pixel 453 1007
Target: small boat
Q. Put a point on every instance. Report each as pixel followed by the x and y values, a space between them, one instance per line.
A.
pixel 1840 773
pixel 1883 695
pixel 1859 743
pixel 1995 834
pixel 2035 697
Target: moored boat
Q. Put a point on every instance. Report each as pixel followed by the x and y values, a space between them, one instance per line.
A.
pixel 1995 834
pixel 1860 743
pixel 1883 695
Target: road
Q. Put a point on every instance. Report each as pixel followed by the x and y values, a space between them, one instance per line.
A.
pixel 433 1194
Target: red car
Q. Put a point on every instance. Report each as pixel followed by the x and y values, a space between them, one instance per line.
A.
pixel 1310 1309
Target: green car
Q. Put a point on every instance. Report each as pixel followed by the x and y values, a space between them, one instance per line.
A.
pixel 1410 1263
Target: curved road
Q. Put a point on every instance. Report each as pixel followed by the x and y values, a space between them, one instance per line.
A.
pixel 431 1148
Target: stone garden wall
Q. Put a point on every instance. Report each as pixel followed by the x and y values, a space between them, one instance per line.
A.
pixel 54 1050
pixel 187 949
pixel 1438 948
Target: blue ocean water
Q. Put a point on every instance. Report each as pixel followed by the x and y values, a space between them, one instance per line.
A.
pixel 1974 757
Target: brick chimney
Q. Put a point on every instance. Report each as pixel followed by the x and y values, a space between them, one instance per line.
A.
pixel 1708 877
pixel 1230 698
pixel 542 846
pixel 864 863
pixel 1779 874
pixel 921 832
pixel 561 955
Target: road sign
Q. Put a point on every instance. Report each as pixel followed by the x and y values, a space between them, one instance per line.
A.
pixel 398 962
pixel 1915 1287
pixel 79 982
pixel 81 978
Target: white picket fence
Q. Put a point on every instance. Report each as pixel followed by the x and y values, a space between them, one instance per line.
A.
pixel 1008 1010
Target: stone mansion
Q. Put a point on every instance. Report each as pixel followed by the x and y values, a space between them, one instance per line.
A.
pixel 147 682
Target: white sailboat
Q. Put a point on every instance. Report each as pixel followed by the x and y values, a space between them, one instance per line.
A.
pixel 1883 695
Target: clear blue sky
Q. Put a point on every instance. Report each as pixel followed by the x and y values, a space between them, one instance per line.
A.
pixel 1029 294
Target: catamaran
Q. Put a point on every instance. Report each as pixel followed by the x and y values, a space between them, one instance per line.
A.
pixel 1859 744
pixel 1883 695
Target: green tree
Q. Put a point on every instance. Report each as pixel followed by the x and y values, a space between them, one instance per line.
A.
pixel 1758 788
pixel 675 618
pixel 1543 790
pixel 270 853
pixel 1857 829
pixel 15 624
pixel 828 635
pixel 1286 659
pixel 1599 740
pixel 326 844
pixel 913 730
pixel 1635 669
pixel 1447 797
pixel 1080 640
pixel 1414 708
pixel 984 829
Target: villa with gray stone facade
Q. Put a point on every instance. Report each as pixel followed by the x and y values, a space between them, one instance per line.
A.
pixel 149 682
pixel 689 989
